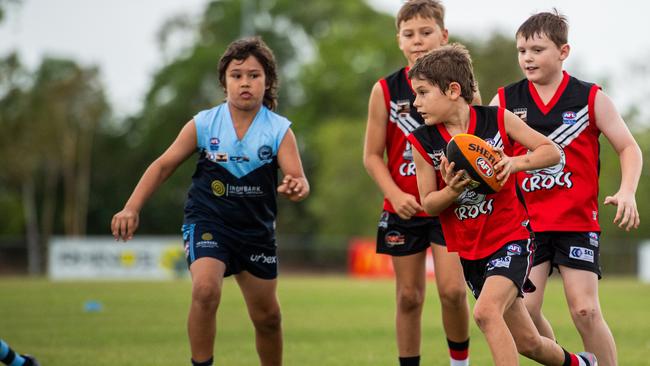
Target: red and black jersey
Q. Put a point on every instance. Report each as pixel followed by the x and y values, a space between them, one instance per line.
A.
pixel 563 197
pixel 476 225
pixel 403 118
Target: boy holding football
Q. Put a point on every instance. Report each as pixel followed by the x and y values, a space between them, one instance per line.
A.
pixel 405 231
pixel 563 201
pixel 493 240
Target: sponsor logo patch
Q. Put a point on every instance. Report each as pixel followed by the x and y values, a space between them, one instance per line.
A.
pixel 214 143
pixel 265 152
pixel 218 188
pixel 262 258
pixel 514 249
pixel 582 254
pixel 521 113
pixel 503 262
pixel 403 108
pixel 569 118
pixel 593 239
pixel 383 220
pixel 394 238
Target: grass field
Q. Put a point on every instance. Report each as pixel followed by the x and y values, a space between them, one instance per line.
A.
pixel 327 321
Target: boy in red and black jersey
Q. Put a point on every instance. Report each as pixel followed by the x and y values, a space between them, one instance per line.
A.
pixel 488 231
pixel 405 231
pixel 563 200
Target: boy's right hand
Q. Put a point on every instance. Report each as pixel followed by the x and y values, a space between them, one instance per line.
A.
pixel 405 205
pixel 124 224
pixel 456 181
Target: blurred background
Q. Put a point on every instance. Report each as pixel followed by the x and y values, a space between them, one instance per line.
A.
pixel 92 91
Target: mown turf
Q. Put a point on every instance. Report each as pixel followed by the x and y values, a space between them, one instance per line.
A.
pixel 327 321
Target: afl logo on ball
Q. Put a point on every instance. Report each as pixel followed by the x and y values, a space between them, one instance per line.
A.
pixel 569 118
pixel 484 167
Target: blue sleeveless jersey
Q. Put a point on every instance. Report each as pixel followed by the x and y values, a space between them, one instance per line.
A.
pixel 235 183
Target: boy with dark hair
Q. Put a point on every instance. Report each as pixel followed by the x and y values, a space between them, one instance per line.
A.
pixel 405 232
pixel 229 224
pixel 563 200
pixel 489 232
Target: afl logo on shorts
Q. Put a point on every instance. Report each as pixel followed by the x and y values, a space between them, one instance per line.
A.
pixel 569 118
pixel 393 238
pixel 484 167
pixel 218 188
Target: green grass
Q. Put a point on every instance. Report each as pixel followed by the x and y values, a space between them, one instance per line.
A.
pixel 327 321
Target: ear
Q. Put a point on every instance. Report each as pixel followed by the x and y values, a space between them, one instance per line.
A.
pixel 445 37
pixel 454 91
pixel 564 51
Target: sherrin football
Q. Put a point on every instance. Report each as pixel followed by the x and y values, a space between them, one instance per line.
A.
pixel 476 157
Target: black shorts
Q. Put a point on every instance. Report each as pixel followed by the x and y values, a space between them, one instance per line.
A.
pixel 399 237
pixel 579 250
pixel 513 260
pixel 203 240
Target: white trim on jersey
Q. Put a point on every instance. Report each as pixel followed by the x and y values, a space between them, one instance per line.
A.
pixel 498 141
pixel 566 133
pixel 406 124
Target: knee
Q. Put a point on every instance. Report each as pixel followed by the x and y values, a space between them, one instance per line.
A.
pixel 206 294
pixel 268 320
pixel 453 298
pixel 410 299
pixel 485 315
pixel 585 314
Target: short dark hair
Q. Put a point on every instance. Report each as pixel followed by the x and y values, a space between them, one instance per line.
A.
pixel 447 64
pixel 241 49
pixel 552 24
pixel 424 8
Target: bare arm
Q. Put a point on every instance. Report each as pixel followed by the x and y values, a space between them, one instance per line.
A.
pixel 495 101
pixel 294 183
pixel 433 200
pixel 543 152
pixel 125 222
pixel 405 204
pixel 610 123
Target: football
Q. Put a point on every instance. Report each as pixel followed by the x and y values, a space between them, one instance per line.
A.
pixel 477 158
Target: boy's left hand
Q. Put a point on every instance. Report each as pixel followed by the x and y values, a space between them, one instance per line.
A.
pixel 295 189
pixel 627 215
pixel 504 167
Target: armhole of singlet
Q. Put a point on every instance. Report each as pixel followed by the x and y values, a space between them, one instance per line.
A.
pixel 507 145
pixel 384 88
pixel 502 97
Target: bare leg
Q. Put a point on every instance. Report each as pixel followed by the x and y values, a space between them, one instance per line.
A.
pixel 207 281
pixel 452 293
pixel 528 340
pixel 264 310
pixel 410 285
pixel 534 300
pixel 497 295
pixel 581 290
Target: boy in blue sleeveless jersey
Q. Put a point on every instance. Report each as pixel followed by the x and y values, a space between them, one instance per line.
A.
pixel 10 357
pixel 229 223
